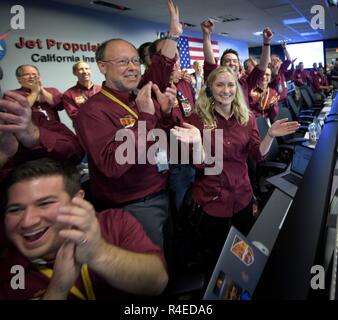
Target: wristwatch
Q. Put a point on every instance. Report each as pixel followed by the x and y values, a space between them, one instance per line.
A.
pixel 173 37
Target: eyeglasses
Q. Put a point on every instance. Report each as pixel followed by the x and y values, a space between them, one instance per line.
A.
pixel 27 75
pixel 136 61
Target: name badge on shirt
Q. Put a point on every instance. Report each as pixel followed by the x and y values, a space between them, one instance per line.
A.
pixel 161 159
pixel 127 121
pixel 80 99
pixel 185 104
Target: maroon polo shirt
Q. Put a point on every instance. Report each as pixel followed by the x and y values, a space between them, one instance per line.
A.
pixel 178 114
pixel 247 83
pixel 230 191
pixel 313 73
pixel 76 96
pixel 279 83
pixel 118 228
pixel 42 105
pixel 97 124
pixel 159 71
pixel 56 141
pixel 301 77
pixel 318 81
pixel 264 103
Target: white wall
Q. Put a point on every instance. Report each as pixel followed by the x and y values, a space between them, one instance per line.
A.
pixel 67 23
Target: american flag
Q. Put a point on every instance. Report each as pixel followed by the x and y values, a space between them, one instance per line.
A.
pixel 191 49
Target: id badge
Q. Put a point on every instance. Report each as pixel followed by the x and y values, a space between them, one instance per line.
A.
pixel 161 160
pixel 279 88
pixel 186 108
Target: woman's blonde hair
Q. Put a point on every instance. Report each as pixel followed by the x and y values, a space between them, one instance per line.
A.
pixel 205 104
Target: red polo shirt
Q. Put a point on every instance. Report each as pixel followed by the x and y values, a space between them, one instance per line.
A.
pixel 159 71
pixel 118 228
pixel 51 111
pixel 318 81
pixel 230 191
pixel 56 141
pixel 264 103
pixel 301 77
pixel 247 83
pixel 97 123
pixel 279 84
pixel 76 96
pixel 187 92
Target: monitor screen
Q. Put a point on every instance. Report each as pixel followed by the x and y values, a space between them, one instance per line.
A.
pixel 308 53
pixel 301 158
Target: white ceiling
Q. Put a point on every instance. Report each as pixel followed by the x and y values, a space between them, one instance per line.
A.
pixel 253 16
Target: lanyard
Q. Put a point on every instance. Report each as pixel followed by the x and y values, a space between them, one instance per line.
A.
pixel 266 100
pixel 123 105
pixel 74 290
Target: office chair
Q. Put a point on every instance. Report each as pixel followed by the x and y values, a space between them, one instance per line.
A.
pixel 299 114
pixel 297 137
pixel 312 96
pixel 308 102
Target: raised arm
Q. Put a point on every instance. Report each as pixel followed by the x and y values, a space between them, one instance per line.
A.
pixel 169 48
pixel 265 57
pixel 286 52
pixel 207 29
pixel 279 128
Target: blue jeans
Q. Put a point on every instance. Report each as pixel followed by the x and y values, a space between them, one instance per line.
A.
pixel 180 180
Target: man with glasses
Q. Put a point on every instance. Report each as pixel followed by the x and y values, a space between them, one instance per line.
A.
pixel 46 100
pixel 137 187
pixel 76 96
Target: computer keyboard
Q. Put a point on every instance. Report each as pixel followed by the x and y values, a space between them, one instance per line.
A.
pixel 293 179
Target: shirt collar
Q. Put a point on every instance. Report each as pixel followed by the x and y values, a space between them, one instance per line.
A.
pixel 24 89
pixel 124 96
pixel 82 87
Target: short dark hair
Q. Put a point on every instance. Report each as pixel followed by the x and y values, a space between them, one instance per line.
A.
pixel 153 47
pixel 246 63
pixel 45 167
pixel 19 68
pixel 142 48
pixel 229 51
pixel 101 49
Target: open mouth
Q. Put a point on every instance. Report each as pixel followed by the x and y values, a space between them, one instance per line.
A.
pixel 131 76
pixel 36 235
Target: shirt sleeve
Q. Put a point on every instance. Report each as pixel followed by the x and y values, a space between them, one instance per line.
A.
pixel 285 65
pixel 273 111
pixel 254 77
pixel 69 104
pixel 289 73
pixel 315 84
pixel 57 99
pixel 57 141
pixel 254 140
pixel 208 68
pixel 120 228
pixel 97 133
pixel 159 72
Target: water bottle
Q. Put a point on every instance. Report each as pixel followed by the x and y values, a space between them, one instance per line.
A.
pixel 314 131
